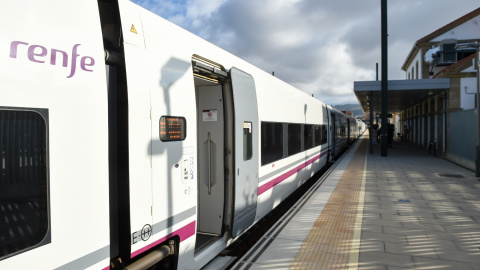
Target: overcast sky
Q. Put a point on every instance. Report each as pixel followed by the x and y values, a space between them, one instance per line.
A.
pixel 318 46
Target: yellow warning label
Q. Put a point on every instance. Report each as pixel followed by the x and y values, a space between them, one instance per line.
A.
pixel 133 30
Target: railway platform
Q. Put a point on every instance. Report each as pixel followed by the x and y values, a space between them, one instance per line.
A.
pixel 410 210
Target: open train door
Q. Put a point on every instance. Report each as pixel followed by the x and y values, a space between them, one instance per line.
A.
pixel 246 151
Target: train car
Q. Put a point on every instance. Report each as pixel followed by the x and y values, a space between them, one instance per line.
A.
pixel 128 142
pixel 342 131
pixel 353 128
pixel 361 127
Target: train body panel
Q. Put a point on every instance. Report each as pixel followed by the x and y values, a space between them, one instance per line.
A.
pixel 361 127
pixel 163 176
pixel 285 111
pixel 173 142
pixel 53 111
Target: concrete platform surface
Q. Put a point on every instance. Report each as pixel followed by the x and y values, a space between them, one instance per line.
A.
pixel 409 210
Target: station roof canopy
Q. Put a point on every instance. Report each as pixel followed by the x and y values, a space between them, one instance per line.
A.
pixel 402 94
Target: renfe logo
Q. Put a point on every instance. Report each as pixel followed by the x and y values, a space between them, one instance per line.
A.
pixel 38 53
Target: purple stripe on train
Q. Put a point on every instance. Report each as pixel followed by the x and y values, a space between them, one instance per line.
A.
pixel 289 173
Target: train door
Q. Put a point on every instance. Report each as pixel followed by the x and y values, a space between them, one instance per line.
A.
pixel 327 120
pixel 349 130
pixel 227 142
pixel 210 143
pixel 209 90
pixel 246 151
pixel 333 135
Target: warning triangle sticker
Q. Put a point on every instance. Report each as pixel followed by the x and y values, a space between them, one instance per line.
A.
pixel 133 30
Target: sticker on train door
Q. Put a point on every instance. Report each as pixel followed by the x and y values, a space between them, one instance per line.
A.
pixel 209 115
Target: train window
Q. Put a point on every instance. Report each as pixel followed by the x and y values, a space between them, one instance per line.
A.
pixel 247 140
pixel 340 128
pixel 309 137
pixel 324 134
pixel 173 128
pixel 318 134
pixel 23 180
pixel 294 139
pixel 272 142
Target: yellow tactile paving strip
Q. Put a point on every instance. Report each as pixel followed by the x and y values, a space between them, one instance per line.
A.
pixel 333 241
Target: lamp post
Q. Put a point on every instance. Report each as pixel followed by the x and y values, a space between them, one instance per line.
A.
pixel 384 42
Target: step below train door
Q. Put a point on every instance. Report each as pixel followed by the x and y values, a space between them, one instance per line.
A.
pixel 209 79
pixel 246 151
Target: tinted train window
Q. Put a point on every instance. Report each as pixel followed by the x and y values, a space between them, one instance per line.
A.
pixel 294 139
pixel 247 140
pixel 318 135
pixel 324 134
pixel 272 142
pixel 24 188
pixel 321 134
pixel 309 137
pixel 340 127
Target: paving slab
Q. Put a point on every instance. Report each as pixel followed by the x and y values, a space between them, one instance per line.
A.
pixel 427 221
pixel 428 263
pixel 379 258
pixel 461 256
pixel 411 250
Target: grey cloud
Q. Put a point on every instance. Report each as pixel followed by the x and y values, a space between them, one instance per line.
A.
pixel 297 39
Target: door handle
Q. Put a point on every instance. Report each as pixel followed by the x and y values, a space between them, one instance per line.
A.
pixel 209 157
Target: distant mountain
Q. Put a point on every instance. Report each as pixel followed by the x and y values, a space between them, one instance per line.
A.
pixel 356 109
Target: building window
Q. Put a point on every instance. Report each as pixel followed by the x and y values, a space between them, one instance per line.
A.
pixel 449 54
pixel 24 181
pixel 416 70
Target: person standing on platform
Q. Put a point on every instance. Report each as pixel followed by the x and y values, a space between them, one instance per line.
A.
pixel 374 134
pixel 405 133
pixel 390 133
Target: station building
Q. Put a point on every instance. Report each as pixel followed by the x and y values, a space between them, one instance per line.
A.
pixel 436 103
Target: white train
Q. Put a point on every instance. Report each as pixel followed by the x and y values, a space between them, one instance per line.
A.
pixel 128 142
